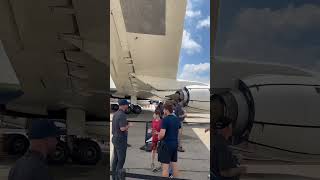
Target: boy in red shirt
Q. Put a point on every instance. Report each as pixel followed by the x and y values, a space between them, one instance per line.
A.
pixel 156 126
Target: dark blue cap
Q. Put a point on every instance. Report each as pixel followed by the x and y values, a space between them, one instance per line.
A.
pixel 43 128
pixel 122 102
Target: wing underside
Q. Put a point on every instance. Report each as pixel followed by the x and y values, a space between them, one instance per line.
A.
pixel 146 38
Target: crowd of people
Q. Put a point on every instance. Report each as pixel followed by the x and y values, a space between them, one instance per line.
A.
pixel 167 124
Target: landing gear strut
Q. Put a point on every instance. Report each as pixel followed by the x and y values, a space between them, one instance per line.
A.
pixel 83 150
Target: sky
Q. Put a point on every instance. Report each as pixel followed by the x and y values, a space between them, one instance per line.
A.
pixel 285 32
pixel 194 64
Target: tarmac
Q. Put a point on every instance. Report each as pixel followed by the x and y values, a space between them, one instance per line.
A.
pixel 194 163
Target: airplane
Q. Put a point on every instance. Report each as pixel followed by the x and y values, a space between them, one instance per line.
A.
pixel 273 106
pixel 54 65
pixel 144 54
pixel 54 55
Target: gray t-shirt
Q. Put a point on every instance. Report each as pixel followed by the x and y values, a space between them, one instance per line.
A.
pixel 32 166
pixel 119 120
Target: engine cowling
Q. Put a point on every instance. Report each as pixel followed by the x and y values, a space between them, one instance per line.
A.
pixel 278 112
pixel 195 97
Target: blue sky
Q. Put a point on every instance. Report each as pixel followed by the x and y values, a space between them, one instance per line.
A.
pixel 273 31
pixel 195 50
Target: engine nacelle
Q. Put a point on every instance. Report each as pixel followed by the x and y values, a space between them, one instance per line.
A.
pixel 275 111
pixel 195 97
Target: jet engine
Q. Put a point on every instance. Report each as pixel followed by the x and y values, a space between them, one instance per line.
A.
pixel 194 97
pixel 274 111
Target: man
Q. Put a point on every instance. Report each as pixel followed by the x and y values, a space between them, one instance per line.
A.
pixel 225 164
pixel 180 113
pixel 43 140
pixel 120 128
pixel 168 150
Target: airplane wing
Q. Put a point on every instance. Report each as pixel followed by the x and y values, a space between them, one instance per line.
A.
pixel 57 50
pixel 146 39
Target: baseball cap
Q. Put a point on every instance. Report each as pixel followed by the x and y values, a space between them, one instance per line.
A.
pixel 122 102
pixel 222 123
pixel 43 128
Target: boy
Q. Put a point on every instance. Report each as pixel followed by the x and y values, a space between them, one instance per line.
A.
pixel 156 125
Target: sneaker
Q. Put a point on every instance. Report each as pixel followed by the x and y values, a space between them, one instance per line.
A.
pixel 171 176
pixel 180 149
pixel 158 168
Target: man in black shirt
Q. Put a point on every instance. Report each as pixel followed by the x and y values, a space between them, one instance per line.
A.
pixel 225 164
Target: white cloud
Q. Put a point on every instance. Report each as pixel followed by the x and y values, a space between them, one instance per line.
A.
pixel 190 45
pixel 204 23
pixel 191 13
pixel 196 72
pixel 281 36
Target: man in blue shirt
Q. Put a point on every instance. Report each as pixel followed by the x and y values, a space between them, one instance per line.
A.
pixel 169 132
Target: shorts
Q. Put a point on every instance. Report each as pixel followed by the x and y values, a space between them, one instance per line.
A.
pixel 168 154
pixel 154 145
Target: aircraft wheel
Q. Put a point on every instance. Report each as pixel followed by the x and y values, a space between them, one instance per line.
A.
pixel 61 154
pixel 114 107
pixel 88 153
pixel 137 109
pixel 18 145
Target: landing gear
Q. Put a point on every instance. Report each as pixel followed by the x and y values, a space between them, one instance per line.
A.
pixel 86 152
pixel 61 154
pixel 83 150
pixel 17 144
pixel 114 107
pixel 137 109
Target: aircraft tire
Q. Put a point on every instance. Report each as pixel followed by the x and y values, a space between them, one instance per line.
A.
pixel 114 107
pixel 89 152
pixel 61 154
pixel 18 145
pixel 137 109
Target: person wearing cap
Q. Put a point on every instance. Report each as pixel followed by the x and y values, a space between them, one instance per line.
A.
pixel 225 164
pixel 120 128
pixel 43 140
